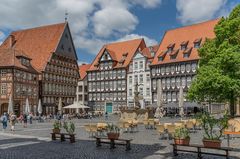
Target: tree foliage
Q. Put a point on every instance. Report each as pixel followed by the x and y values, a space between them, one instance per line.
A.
pixel 218 75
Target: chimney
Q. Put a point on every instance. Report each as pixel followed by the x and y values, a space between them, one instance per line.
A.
pixel 11 41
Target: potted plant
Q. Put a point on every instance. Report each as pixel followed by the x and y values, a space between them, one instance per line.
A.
pixel 112 131
pixel 181 136
pixel 69 127
pixel 56 127
pixel 209 124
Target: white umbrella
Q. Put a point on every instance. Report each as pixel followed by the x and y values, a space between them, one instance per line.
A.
pixel 159 94
pixel 39 107
pixel 60 105
pixel 158 113
pixel 10 105
pixel 180 101
pixel 27 107
pixel 76 106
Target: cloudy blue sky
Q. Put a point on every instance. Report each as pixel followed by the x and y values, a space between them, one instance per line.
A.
pixel 96 22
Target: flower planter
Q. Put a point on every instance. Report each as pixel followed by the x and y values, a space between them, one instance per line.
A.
pixel 182 141
pixel 113 135
pixel 212 143
pixel 56 131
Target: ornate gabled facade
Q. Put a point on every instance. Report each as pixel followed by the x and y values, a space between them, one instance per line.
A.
pixel 139 74
pixel 18 81
pixel 107 75
pixel 53 55
pixel 82 89
pixel 176 60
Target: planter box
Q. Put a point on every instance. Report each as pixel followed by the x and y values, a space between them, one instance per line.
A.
pixel 182 141
pixel 212 143
pixel 57 131
pixel 113 135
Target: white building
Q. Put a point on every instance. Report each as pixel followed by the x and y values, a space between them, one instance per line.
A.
pixel 82 89
pixel 139 73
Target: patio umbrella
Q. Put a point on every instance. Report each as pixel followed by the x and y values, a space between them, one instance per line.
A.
pixel 180 101
pixel 158 113
pixel 39 109
pixel 76 106
pixel 27 107
pixel 60 105
pixel 10 105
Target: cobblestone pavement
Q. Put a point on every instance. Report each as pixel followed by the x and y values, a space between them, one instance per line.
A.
pixel 34 143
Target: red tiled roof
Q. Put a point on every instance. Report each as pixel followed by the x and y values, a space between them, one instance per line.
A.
pixel 83 70
pixel 189 33
pixel 9 58
pixel 117 50
pixel 38 43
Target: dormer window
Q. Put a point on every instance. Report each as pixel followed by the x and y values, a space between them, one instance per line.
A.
pixel 186 55
pixel 184 45
pixel 170 47
pixel 24 61
pixel 160 58
pixel 197 43
pixel 173 57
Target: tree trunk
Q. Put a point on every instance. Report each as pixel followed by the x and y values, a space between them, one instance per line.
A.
pixel 232 107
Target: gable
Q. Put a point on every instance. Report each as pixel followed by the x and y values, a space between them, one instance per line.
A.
pixel 66 46
pixel 138 55
pixel 105 56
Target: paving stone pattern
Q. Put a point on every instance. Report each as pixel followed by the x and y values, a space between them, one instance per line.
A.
pixel 34 143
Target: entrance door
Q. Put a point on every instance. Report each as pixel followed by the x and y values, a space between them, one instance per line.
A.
pixel 109 108
pixel 4 108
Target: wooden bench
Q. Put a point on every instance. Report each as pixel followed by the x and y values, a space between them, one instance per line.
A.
pixel 199 150
pixel 112 142
pixel 63 137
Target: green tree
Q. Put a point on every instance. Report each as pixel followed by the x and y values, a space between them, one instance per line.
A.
pixel 218 75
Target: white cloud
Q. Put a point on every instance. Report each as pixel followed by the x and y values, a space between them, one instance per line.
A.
pixel 148 41
pixel 2 36
pixel 193 11
pixel 92 22
pixel 147 3
pixel 109 20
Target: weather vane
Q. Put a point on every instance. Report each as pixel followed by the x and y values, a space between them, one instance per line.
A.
pixel 66 15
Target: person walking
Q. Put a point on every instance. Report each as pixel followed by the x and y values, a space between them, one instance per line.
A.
pixel 24 120
pixel 106 116
pixel 13 119
pixel 30 118
pixel 4 121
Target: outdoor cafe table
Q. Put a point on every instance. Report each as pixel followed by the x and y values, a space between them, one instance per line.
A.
pixel 228 133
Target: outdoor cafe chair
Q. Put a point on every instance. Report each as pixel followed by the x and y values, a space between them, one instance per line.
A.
pixel 166 124
pixel 171 130
pixel 161 130
pixel 151 123
pixel 146 124
pixel 190 125
pixel 179 125
pixel 88 129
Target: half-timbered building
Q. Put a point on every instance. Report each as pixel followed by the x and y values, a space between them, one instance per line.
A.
pixel 18 81
pixel 107 75
pixel 53 54
pixel 177 59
